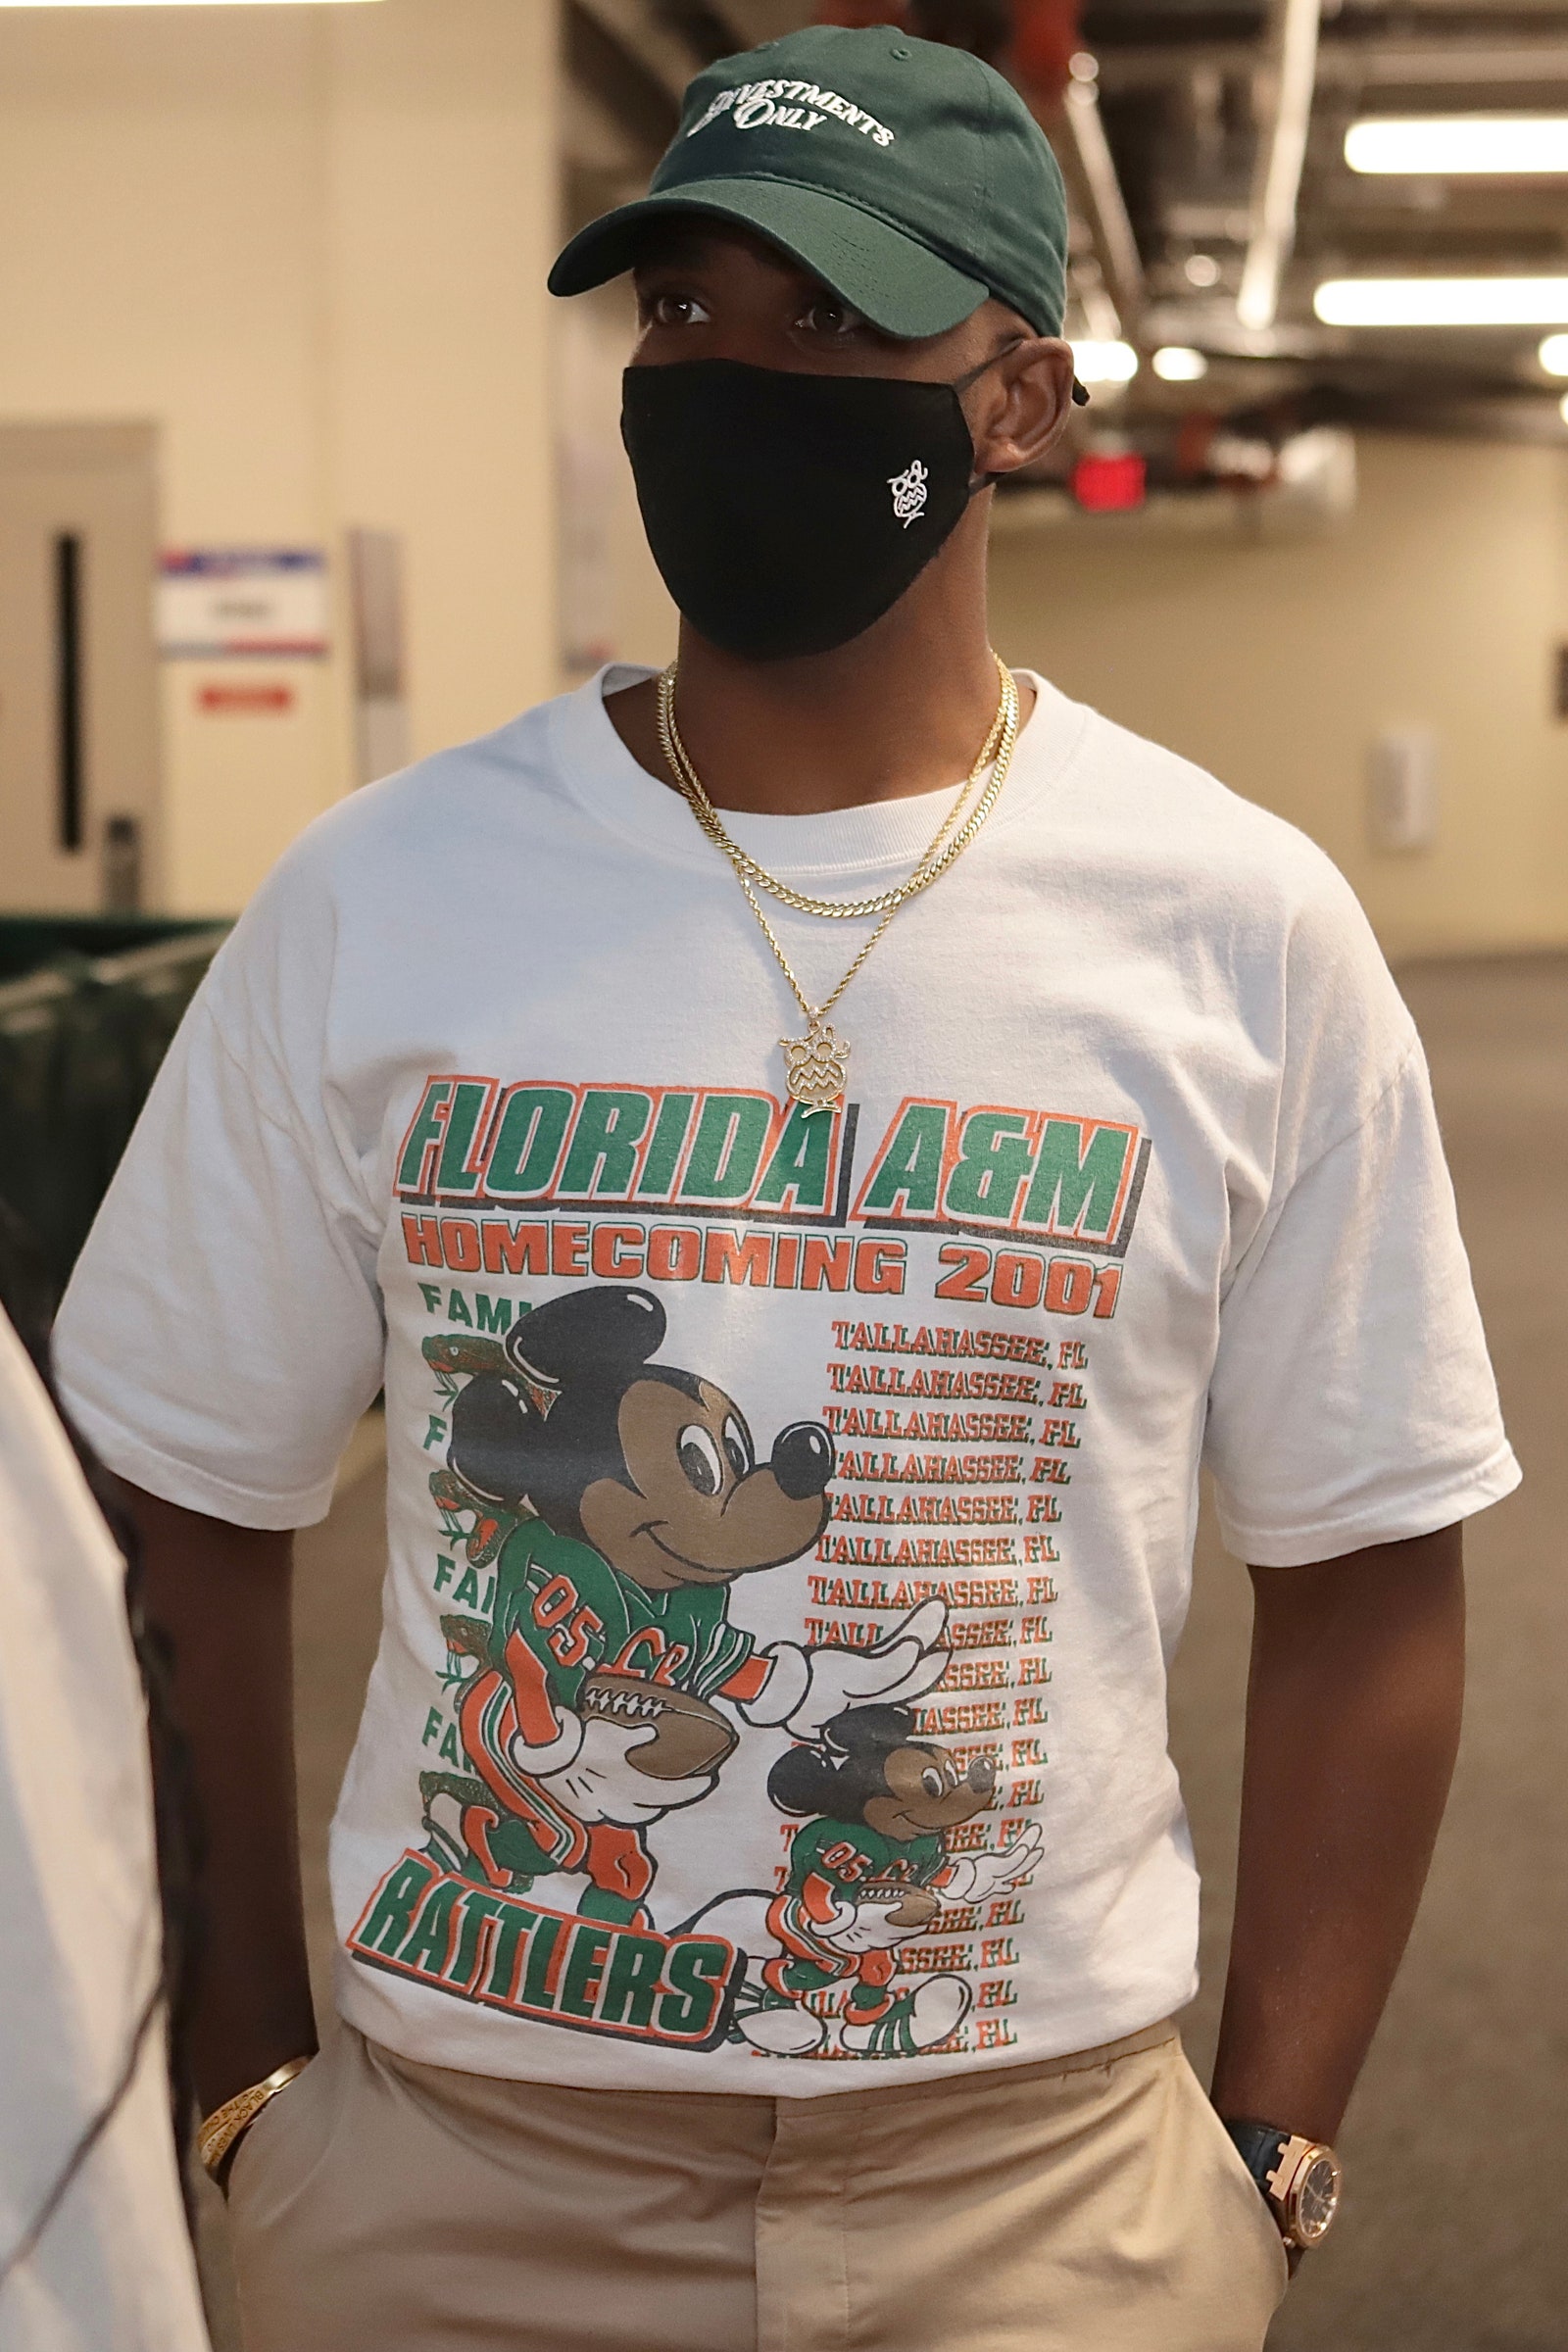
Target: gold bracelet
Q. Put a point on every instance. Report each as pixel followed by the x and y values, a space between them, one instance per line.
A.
pixel 219 2137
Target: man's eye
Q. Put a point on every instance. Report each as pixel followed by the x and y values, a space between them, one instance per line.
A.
pixel 677 310
pixel 831 317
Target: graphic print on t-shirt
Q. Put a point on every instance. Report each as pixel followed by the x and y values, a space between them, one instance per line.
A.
pixel 611 1506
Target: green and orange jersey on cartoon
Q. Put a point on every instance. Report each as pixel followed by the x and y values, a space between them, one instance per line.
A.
pixel 572 1613
pixel 560 1611
pixel 835 1863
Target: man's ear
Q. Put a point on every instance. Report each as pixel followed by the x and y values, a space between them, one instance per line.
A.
pixel 1027 407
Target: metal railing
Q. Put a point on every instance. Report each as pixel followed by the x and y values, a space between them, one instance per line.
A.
pixel 82 1036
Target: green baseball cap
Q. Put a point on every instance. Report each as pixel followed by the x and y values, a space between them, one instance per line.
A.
pixel 908 176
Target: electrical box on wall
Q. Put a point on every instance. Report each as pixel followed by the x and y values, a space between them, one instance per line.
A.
pixel 1403 790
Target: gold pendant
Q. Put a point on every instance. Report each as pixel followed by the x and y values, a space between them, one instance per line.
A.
pixel 817 1064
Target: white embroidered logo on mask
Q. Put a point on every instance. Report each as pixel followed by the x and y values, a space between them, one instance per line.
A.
pixel 909 492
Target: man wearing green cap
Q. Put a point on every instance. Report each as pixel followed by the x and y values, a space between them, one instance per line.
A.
pixel 890 1130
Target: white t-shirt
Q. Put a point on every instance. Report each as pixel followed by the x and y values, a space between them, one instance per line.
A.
pixel 80 1926
pixel 695 1400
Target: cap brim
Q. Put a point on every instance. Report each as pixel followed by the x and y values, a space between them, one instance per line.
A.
pixel 899 285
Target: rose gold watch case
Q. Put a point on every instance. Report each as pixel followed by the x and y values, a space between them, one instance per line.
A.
pixel 1288 2182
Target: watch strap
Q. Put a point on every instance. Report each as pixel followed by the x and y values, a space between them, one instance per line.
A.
pixel 1259 2147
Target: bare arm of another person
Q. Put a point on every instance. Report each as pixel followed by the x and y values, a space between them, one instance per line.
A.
pixel 1353 1722
pixel 223 1595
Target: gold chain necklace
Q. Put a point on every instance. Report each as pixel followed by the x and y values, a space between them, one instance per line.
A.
pixel 816 1065
pixel 935 862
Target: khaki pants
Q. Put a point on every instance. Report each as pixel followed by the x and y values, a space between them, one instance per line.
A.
pixel 1091 2204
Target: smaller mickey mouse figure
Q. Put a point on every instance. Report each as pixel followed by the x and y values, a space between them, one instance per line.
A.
pixel 869 1871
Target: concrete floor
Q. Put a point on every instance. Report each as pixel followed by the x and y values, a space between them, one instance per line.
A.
pixel 1453 2238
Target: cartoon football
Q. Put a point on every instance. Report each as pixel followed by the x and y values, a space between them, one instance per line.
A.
pixel 911 1907
pixel 689 1736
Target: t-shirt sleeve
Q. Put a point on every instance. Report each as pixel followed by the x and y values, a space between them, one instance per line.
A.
pixel 222 1330
pixel 1353 1402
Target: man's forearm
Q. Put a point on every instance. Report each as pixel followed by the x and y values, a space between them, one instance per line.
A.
pixel 222 1596
pixel 1353 1722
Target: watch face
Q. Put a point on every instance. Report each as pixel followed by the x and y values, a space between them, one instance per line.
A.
pixel 1316 2198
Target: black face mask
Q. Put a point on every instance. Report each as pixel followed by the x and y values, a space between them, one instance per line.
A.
pixel 786 512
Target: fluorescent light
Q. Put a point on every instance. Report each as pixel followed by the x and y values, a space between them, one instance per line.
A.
pixel 1553 355
pixel 1096 362
pixel 1441 144
pixel 1442 301
pixel 1176 363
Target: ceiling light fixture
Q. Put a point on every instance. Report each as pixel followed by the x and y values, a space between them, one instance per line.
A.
pixel 1442 301
pixel 1553 355
pixel 1100 363
pixel 1443 144
pixel 1179 363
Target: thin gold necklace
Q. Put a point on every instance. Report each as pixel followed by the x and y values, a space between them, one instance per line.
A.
pixel 816 1065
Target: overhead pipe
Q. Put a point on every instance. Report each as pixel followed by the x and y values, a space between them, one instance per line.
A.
pixel 1058 78
pixel 1525 61
pixel 1277 180
pixel 1039 45
pixel 1092 168
pixel 648 45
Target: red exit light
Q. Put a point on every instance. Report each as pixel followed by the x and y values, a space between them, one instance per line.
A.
pixel 1108 485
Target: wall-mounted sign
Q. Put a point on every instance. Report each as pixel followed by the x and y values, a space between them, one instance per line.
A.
pixel 221 601
pixel 271 698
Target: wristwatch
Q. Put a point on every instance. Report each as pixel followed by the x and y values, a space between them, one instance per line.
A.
pixel 1301 2179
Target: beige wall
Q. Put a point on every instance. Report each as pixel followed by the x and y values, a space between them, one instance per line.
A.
pixel 310 244
pixel 1438 605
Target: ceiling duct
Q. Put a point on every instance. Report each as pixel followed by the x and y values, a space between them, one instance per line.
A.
pixel 1078 133
pixel 1354 61
pixel 1290 77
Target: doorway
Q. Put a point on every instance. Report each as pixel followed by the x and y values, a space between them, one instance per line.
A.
pixel 78 681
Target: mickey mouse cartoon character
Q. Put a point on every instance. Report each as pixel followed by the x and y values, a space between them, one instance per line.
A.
pixel 638 1499
pixel 869 1871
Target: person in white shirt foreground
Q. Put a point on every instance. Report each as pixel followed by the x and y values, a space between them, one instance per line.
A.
pixel 94 2250
pixel 813 1216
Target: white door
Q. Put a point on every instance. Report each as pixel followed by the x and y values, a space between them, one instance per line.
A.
pixel 79 691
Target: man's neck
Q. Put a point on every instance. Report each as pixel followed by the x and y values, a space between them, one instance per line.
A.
pixel 902 709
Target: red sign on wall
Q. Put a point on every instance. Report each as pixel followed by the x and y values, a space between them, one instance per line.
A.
pixel 263 699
